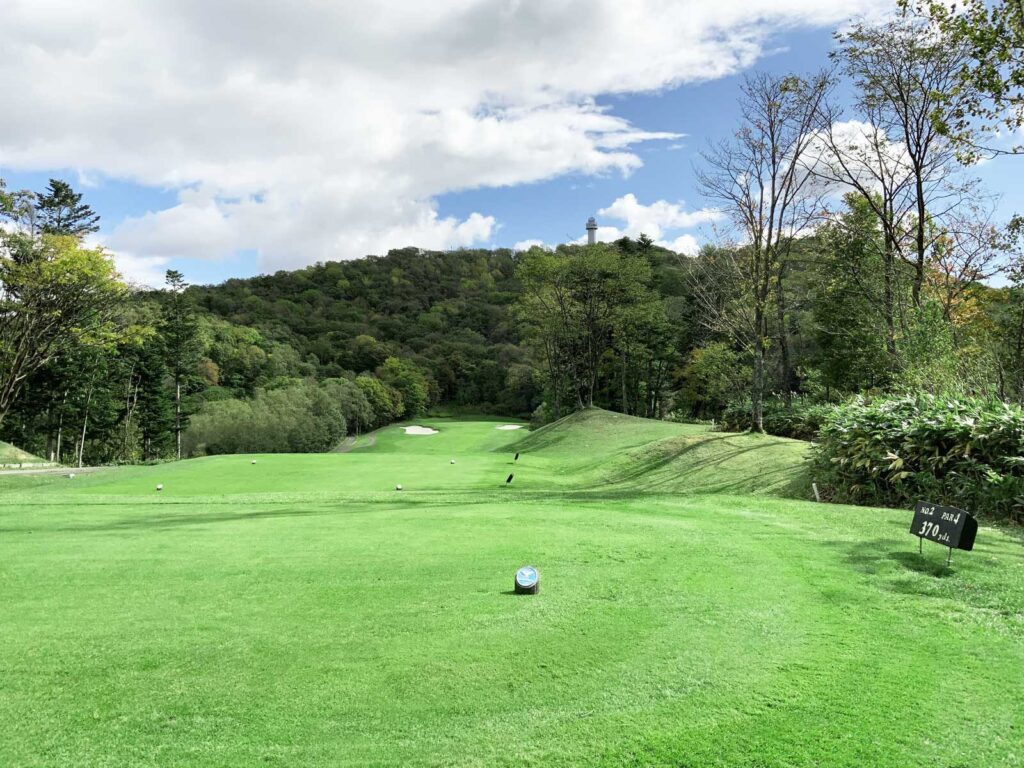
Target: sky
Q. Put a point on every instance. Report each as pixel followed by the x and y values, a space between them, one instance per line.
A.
pixel 228 138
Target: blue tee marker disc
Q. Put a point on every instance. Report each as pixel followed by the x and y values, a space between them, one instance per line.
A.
pixel 527 578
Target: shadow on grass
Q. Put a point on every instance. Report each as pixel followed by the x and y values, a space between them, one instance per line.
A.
pixel 168 521
pixel 873 557
pixel 658 468
pixel 156 522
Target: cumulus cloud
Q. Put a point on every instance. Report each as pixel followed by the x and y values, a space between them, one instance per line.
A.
pixel 656 220
pixel 657 217
pixel 525 245
pixel 685 244
pixel 310 130
pixel 142 271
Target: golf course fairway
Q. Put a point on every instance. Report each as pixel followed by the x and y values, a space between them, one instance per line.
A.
pixel 693 610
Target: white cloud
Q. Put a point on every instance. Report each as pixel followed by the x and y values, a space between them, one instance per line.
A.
pixel 142 271
pixel 137 271
pixel 864 151
pixel 685 244
pixel 657 217
pixel 525 245
pixel 313 130
pixel 656 220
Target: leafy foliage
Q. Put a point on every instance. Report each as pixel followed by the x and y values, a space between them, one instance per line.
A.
pixel 445 312
pixel 54 294
pixel 990 86
pixel 594 321
pixel 893 451
pixel 409 382
pixel 801 419
pixel 302 418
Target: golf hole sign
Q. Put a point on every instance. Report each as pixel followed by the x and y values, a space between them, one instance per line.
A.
pixel 948 526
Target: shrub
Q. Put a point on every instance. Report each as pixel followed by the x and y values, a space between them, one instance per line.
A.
pixel 965 452
pixel 300 418
pixel 541 415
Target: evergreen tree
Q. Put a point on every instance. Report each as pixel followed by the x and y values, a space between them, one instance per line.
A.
pixel 60 211
pixel 151 404
pixel 182 348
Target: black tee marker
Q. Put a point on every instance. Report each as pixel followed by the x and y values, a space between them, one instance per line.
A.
pixel 517 456
pixel 509 479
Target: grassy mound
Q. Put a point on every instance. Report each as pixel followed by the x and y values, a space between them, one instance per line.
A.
pixel 640 455
pixel 599 433
pixel 300 611
pixel 11 455
pixel 718 463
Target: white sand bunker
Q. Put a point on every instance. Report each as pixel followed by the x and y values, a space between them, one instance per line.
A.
pixel 510 426
pixel 419 431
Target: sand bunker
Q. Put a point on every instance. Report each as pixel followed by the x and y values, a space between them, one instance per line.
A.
pixel 419 431
pixel 510 426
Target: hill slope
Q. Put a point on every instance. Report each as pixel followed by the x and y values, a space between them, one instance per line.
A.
pixel 639 455
pixel 11 455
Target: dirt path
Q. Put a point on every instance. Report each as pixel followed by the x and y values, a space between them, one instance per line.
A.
pixel 52 471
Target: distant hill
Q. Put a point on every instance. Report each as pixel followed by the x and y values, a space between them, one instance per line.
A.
pixel 448 311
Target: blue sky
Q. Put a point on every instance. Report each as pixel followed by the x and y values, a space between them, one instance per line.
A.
pixel 555 211
pixel 240 141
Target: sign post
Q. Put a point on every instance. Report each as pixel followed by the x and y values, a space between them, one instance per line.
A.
pixel 949 526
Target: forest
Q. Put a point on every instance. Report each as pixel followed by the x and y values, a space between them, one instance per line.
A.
pixel 864 272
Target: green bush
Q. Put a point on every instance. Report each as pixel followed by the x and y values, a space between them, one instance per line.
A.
pixel 893 451
pixel 300 418
pixel 801 420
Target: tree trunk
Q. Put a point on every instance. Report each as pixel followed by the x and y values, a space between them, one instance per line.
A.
pixel 60 425
pixel 85 423
pixel 889 301
pixel 649 396
pixel 1018 359
pixel 922 214
pixel 177 417
pixel 786 364
pixel 625 402
pixel 757 395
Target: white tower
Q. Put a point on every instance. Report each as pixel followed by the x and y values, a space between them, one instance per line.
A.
pixel 591 231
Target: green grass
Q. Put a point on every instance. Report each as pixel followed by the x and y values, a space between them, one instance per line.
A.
pixel 301 612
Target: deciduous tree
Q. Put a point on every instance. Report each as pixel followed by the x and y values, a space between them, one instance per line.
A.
pixel 760 179
pixel 54 294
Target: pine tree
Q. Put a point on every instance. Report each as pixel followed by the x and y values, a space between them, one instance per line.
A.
pixel 180 333
pixel 150 404
pixel 60 211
